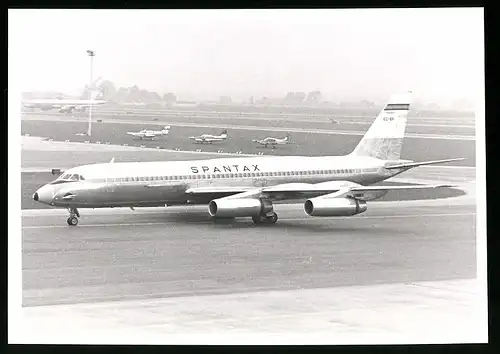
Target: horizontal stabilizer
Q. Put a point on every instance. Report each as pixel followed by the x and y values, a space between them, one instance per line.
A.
pixel 390 188
pixel 415 164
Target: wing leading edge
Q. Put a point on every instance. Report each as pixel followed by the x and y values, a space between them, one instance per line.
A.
pixel 327 189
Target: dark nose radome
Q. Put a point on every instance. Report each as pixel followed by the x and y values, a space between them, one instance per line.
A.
pixel 35 197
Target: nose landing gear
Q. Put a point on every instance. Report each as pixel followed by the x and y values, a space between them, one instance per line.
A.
pixel 73 217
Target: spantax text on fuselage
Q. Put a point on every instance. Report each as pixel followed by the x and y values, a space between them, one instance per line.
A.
pixel 225 168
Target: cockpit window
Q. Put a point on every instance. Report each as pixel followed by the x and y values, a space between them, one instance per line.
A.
pixel 68 177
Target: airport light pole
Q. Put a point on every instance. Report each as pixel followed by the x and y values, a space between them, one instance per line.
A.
pixel 91 54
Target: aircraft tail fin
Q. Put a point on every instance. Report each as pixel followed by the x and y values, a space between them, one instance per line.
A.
pixel 384 138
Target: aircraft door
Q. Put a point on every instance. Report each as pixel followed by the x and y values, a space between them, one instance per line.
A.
pixel 110 184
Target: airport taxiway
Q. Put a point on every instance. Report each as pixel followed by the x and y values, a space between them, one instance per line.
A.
pixel 172 252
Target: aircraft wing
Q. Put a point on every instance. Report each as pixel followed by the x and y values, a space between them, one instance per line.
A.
pixel 216 190
pixel 306 190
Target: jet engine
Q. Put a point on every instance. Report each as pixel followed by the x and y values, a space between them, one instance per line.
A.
pixel 240 207
pixel 334 206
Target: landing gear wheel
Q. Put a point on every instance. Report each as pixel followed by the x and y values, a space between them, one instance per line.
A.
pixel 273 218
pixel 265 219
pixel 72 221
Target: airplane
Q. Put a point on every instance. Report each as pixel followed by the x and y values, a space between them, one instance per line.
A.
pixel 68 105
pixel 273 141
pixel 209 139
pixel 150 134
pixel 248 186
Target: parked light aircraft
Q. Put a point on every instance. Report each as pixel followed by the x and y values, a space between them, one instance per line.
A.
pixel 273 141
pixel 209 139
pixel 248 186
pixel 150 134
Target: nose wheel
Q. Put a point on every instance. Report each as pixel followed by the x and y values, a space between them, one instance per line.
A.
pixel 73 217
pixel 269 219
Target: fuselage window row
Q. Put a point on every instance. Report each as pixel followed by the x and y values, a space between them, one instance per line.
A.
pixel 234 175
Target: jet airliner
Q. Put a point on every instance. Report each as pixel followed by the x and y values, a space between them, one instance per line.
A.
pixel 66 105
pixel 248 186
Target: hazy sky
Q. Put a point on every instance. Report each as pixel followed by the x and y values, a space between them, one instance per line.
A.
pixel 346 54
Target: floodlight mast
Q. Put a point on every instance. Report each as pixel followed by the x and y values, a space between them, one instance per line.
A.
pixel 91 54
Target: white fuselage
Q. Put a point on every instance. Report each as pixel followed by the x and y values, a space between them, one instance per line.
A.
pixel 148 133
pixel 272 141
pixel 165 183
pixel 208 138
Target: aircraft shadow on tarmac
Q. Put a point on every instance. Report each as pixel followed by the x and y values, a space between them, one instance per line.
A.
pixel 201 217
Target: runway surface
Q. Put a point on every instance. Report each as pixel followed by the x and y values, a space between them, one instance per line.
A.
pixel 165 253
pixel 303 144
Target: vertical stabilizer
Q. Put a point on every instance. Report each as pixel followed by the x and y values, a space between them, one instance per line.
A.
pixel 384 138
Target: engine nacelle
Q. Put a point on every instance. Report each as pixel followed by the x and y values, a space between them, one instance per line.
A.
pixel 231 208
pixel 334 206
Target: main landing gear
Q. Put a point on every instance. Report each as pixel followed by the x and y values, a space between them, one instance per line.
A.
pixel 73 217
pixel 268 219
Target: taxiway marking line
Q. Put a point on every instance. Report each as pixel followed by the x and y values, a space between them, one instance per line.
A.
pixel 285 219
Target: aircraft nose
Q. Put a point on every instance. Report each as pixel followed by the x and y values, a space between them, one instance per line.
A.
pixel 43 195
